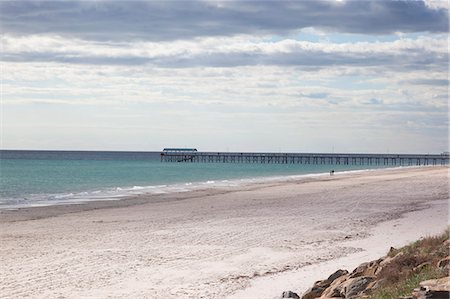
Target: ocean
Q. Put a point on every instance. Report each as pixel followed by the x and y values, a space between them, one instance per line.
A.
pixel 40 178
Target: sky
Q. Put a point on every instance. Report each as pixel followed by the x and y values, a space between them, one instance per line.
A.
pixel 270 76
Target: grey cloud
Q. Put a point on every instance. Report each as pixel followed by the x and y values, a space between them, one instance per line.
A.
pixel 173 20
pixel 373 101
pixel 404 107
pixel 311 60
pixel 317 95
pixel 437 82
pixel 74 59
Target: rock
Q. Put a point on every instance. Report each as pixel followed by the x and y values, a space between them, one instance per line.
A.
pixel 444 262
pixel 365 278
pixel 419 294
pixel 336 292
pixel 387 260
pixel 392 249
pixel 290 294
pixel 320 286
pixel 401 253
pixel 375 284
pixel 335 289
pixel 437 285
pixel 336 275
pixel 425 294
pixel 421 267
pixel 366 269
pixel 358 271
pixel 433 289
pixel 314 292
pixel 355 286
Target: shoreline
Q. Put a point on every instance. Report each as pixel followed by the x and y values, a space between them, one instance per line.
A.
pixel 11 213
pixel 113 194
pixel 214 243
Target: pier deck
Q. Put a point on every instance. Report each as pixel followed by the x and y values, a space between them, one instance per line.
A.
pixel 307 158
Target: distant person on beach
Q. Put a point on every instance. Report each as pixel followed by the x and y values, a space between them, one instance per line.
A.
pixel 332 172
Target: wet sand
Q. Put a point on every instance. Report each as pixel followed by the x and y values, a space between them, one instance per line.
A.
pixel 217 242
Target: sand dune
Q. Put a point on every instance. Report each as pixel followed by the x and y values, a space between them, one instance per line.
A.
pixel 213 243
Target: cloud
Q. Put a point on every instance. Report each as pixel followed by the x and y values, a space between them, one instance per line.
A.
pixel 437 4
pixel 405 53
pixel 183 20
pixel 255 88
pixel 264 66
pixel 374 101
pixel 317 95
pixel 435 82
pixel 258 98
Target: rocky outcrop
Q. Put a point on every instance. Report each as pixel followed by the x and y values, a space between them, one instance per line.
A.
pixel 335 289
pixel 346 285
pixel 367 269
pixel 320 286
pixel 427 257
pixel 356 286
pixel 365 278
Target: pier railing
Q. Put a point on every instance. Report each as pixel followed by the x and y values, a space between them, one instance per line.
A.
pixel 307 158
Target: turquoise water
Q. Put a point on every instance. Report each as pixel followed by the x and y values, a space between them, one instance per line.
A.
pixel 42 177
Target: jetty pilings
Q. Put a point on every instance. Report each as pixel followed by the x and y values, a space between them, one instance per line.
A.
pixel 307 158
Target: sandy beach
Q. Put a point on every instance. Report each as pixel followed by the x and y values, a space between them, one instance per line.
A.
pixel 250 241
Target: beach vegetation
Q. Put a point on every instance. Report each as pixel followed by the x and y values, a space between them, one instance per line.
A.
pixel 412 264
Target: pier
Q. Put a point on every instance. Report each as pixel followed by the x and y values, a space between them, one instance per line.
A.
pixel 194 156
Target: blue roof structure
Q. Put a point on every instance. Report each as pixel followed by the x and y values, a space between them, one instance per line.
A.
pixel 179 150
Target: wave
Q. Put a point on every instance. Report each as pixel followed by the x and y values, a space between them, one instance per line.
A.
pixel 118 193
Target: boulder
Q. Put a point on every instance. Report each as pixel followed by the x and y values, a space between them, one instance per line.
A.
pixel 383 262
pixel 356 286
pixel 367 269
pixel 320 286
pixel 358 271
pixel 374 285
pixel 336 275
pixel 314 292
pixel 290 294
pixel 444 262
pixel 335 289
pixel 418 294
pixel 437 285
pixel 433 289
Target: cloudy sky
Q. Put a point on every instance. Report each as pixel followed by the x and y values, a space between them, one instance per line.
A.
pixel 298 76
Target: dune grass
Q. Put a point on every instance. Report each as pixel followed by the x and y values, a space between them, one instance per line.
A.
pixel 412 264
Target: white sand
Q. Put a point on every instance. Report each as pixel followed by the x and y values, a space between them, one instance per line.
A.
pixel 395 233
pixel 247 242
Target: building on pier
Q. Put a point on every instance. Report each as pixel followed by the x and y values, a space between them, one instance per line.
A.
pixel 178 154
pixel 179 150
